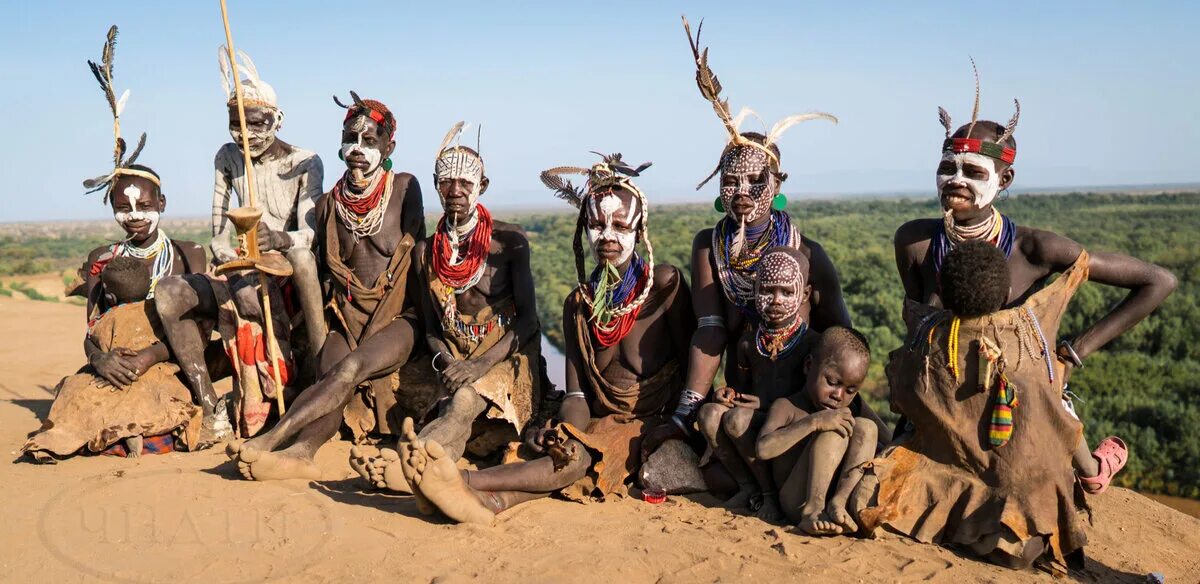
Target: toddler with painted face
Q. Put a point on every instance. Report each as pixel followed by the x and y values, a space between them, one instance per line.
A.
pixel 772 356
pixel 817 439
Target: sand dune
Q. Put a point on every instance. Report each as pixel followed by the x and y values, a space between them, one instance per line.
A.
pixel 187 518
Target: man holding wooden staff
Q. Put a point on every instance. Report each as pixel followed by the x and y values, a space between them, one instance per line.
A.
pixel 288 182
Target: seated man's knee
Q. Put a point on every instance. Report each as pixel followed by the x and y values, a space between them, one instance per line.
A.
pixel 737 422
pixel 303 261
pixel 348 370
pixel 709 420
pixel 169 297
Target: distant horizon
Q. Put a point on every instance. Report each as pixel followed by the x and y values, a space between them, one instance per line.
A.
pixel 555 205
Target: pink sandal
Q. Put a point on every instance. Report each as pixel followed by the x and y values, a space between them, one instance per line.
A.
pixel 1112 454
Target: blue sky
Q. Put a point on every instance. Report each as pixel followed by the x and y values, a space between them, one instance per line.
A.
pixel 1108 89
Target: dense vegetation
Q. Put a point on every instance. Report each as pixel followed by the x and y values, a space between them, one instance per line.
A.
pixel 1144 387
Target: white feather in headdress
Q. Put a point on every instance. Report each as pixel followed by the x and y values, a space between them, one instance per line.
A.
pixel 254 90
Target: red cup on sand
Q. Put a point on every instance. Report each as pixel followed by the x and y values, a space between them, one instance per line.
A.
pixel 654 495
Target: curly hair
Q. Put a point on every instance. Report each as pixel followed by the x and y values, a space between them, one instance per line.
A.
pixel 126 278
pixel 974 279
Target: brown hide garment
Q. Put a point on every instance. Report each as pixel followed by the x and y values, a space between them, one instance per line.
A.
pixel 513 387
pixel 88 412
pixel 946 483
pixel 360 312
pixel 621 416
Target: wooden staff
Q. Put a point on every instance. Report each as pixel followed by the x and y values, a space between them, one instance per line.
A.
pixel 246 219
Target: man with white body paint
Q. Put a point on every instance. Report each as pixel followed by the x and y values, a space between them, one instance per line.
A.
pixel 287 186
pixel 976 165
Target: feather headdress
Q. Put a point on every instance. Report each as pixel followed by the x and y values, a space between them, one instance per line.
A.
pixel 255 91
pixel 710 89
pixel 611 172
pixel 453 161
pixel 104 75
pixel 995 149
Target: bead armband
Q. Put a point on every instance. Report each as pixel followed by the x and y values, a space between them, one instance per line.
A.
pixel 688 402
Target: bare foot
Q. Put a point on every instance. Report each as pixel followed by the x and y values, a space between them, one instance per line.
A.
pixel 133 446
pixel 838 514
pixel 383 472
pixel 402 454
pixel 439 479
pixel 360 457
pixel 815 522
pixel 770 511
pixel 741 499
pixel 257 465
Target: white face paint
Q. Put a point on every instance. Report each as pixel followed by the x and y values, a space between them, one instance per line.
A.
pixel 741 169
pixel 983 192
pixel 124 218
pixel 459 165
pixel 601 228
pixel 373 155
pixel 260 140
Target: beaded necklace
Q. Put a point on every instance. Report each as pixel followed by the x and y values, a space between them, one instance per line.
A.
pixel 464 273
pixel 777 343
pixel 162 252
pixel 362 213
pixel 736 273
pixel 614 306
pixel 998 230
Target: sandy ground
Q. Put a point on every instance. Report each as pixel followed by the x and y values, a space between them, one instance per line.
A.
pixel 187 518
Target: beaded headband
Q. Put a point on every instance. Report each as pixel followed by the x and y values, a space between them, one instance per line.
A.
pixel 360 108
pixel 710 89
pixel 121 164
pixel 988 148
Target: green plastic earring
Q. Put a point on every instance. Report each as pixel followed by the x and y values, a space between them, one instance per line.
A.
pixel 341 156
pixel 387 164
pixel 718 205
pixel 779 203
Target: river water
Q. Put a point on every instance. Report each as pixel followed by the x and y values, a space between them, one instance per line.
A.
pixel 556 364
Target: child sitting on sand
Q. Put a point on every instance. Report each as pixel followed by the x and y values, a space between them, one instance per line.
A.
pixel 140 415
pixel 818 438
pixel 772 355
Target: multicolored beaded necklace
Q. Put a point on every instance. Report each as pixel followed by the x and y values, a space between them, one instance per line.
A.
pixel 737 273
pixel 1000 231
pixel 162 252
pixel 614 300
pixel 362 214
pixel 774 344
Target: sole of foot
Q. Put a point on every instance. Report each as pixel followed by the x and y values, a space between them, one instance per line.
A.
pixel 256 465
pixel 440 481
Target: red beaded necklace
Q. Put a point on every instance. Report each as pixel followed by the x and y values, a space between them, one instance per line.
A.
pixel 360 205
pixel 611 333
pixel 459 276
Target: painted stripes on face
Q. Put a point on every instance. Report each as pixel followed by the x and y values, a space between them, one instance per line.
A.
pixel 603 209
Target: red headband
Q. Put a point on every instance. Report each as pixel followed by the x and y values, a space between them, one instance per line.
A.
pixel 992 149
pixel 374 115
